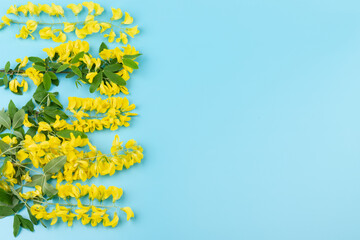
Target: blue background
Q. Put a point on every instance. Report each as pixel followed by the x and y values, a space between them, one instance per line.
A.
pixel 249 117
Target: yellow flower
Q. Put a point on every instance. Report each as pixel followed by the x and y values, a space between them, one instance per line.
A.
pixel 21 155
pixel 24 33
pixel 75 8
pixel 104 26
pixel 12 10
pixel 69 27
pixel 26 121
pixel 111 36
pixel 129 213
pixel 132 31
pixel 128 19
pixel 123 38
pixel 81 33
pixel 9 170
pixel 23 62
pixel 116 193
pixel 50 52
pixel 6 20
pixel 90 76
pixel 13 85
pixel 92 27
pixel 31 25
pixel 26 177
pixel 90 6
pixel 116 145
pixel 44 126
pixel 45 8
pixel 57 10
pixel 60 38
pixel 34 75
pixel 98 9
pixel 117 14
pixel 24 9
pixel 106 54
pixel 33 9
pixel 46 33
pixel 113 223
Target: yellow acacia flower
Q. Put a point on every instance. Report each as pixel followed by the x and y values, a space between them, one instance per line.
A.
pixel 6 20
pixel 111 35
pixel 44 126
pixel 23 62
pixel 132 31
pixel 116 14
pixel 26 177
pixel 14 84
pixel 98 9
pixel 90 76
pixel 69 27
pixel 128 19
pixel 34 75
pixel 9 170
pixel 33 9
pixel 81 33
pixel 56 10
pixel 32 194
pixel 46 33
pixel 31 25
pixel 60 38
pixel 112 223
pixel 12 10
pixel 50 52
pixel 129 213
pixel 104 26
pixel 24 33
pixel 26 121
pixel 123 38
pixel 75 8
pixel 90 6
pixel 23 9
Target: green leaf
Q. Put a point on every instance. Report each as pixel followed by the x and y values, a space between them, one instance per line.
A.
pixel 36 180
pixel 39 68
pixel 29 106
pixel 5 197
pixel 55 165
pixel 52 75
pixel 55 100
pixel 47 81
pixel 113 67
pixel 5 211
pixel 7 67
pixel 76 59
pixel 18 134
pixel 6 81
pixel 96 82
pixel 70 75
pixel 4 147
pixel 102 47
pixel 32 217
pixel 26 223
pixel 5 120
pixel 11 109
pixel 132 56
pixel 115 78
pixel 18 118
pixel 62 68
pixel 36 60
pixel 76 70
pixel 49 190
pixel 18 207
pixel 66 133
pixel 16 226
pixel 130 63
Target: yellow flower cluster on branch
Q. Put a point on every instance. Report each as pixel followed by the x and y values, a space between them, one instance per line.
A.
pixel 58 31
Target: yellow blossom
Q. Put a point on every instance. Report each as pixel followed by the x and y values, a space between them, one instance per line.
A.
pixel 50 52
pixel 129 212
pixel 90 6
pixel 75 8
pixel 34 75
pixel 44 126
pixel 104 26
pixel 23 62
pixel 117 14
pixel 14 84
pixel 123 38
pixel 113 222
pixel 31 25
pixel 111 35
pixel 69 27
pixel 98 9
pixel 60 38
pixel 132 31
pixel 24 9
pixel 24 33
pixel 6 20
pixel 90 76
pixel 46 33
pixel 128 19
pixel 12 10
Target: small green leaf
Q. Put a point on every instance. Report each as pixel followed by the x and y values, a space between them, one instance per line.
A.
pixel 47 81
pixel 76 59
pixel 5 211
pixel 55 165
pixel 36 60
pixel 49 190
pixel 5 120
pixel 67 134
pixel 39 67
pixel 18 207
pixel 16 226
pixel 76 70
pixel 11 109
pixel 36 180
pixel 18 118
pixel 132 56
pixel 96 82
pixel 115 78
pixel 32 217
pixel 4 147
pixel 5 197
pixel 55 100
pixel 52 75
pixel 102 47
pixel 62 68
pixel 113 67
pixel 130 63
pixel 7 67
pixel 26 223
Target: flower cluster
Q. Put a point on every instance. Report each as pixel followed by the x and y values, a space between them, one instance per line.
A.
pixel 58 31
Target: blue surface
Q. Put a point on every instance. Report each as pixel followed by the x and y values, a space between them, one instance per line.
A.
pixel 249 117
